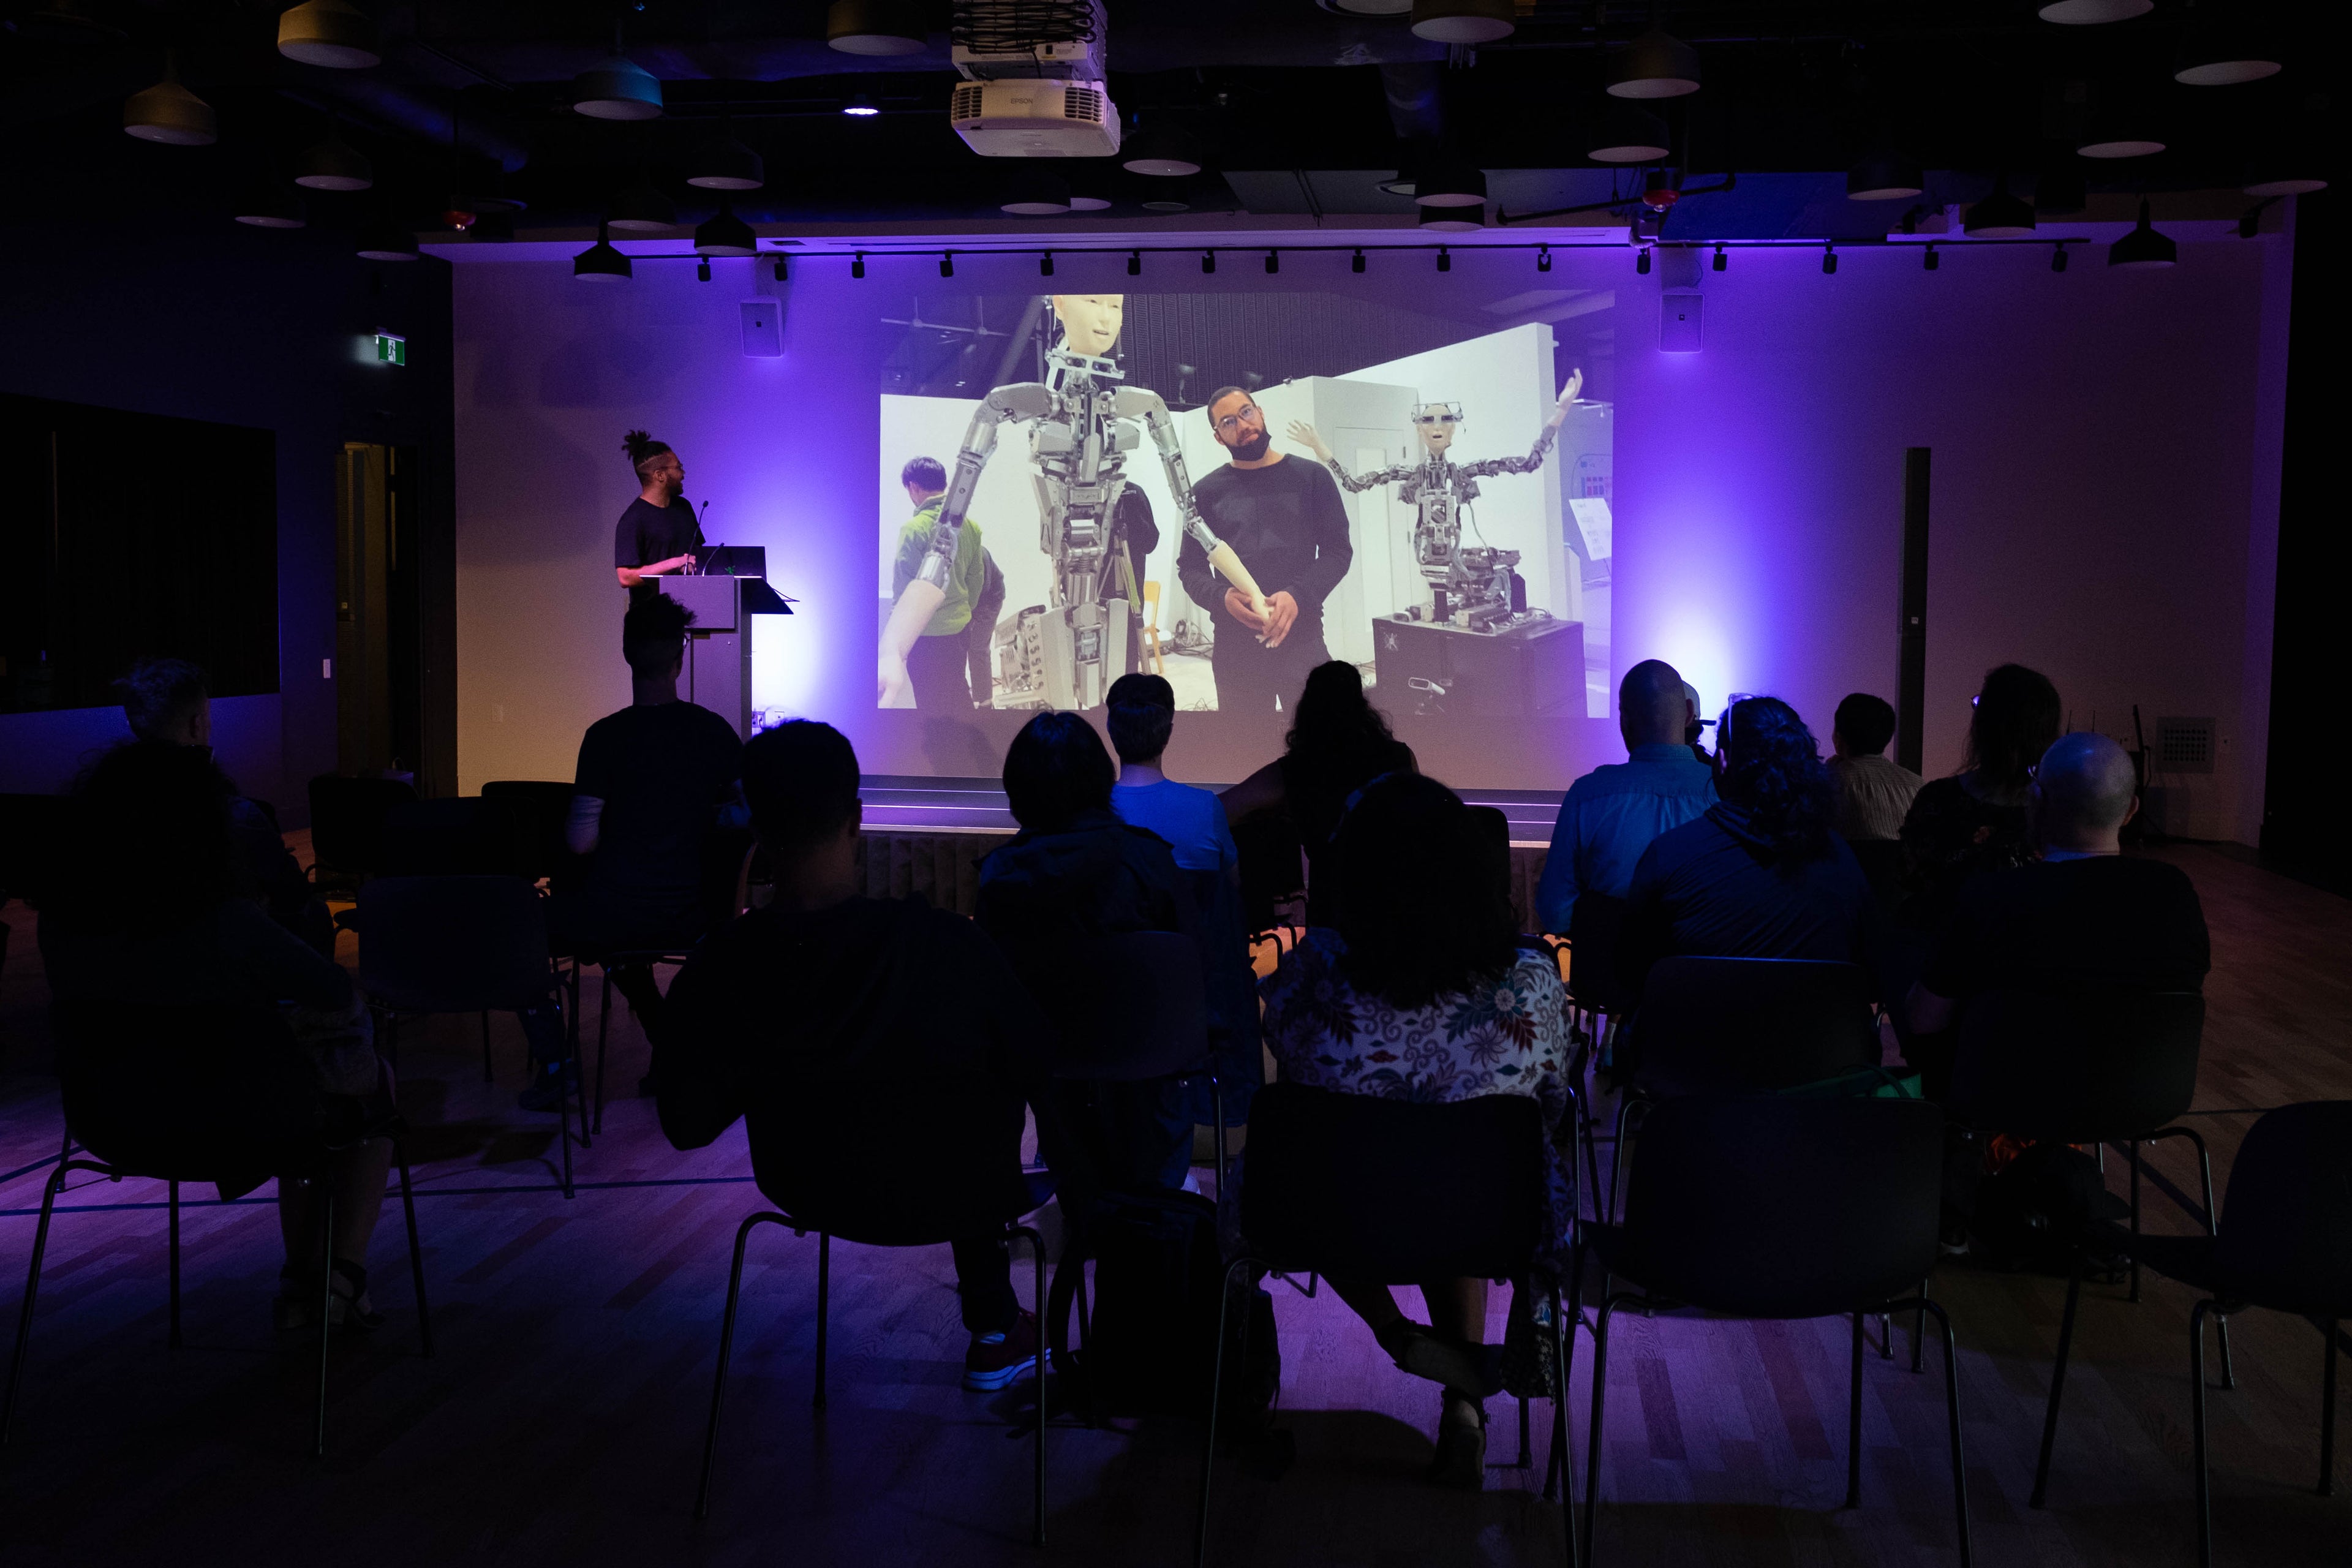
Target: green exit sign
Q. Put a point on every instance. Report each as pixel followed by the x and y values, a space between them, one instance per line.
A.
pixel 391 348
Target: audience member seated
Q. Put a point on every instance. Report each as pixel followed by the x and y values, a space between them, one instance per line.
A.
pixel 169 701
pixel 2083 917
pixel 825 993
pixel 157 914
pixel 655 780
pixel 1873 795
pixel 1141 717
pixel 1612 813
pixel 1975 820
pixel 1338 743
pixel 1760 875
pixel 1425 966
pixel 1075 873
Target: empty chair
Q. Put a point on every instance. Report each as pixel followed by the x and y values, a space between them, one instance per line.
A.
pixel 347 823
pixel 865 1173
pixel 2090 1067
pixel 2287 1247
pixel 462 944
pixel 533 813
pixel 1392 1192
pixel 454 835
pixel 1765 1207
pixel 216 1094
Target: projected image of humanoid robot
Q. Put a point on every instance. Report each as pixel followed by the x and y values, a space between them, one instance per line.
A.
pixel 1082 422
pixel 1470 586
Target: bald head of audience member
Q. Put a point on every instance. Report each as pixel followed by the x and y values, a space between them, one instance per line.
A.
pixel 1652 710
pixel 2083 793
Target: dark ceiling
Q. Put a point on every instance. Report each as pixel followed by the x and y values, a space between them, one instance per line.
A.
pixel 1300 111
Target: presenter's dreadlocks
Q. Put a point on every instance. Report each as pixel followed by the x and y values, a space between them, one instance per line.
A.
pixel 642 449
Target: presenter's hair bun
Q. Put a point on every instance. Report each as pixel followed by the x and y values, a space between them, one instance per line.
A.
pixel 640 445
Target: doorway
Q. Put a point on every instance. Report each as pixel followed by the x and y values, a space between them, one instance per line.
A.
pixel 379 612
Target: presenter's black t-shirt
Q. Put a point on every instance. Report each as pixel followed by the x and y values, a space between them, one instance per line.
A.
pixel 661 769
pixel 649 533
pixel 1290 526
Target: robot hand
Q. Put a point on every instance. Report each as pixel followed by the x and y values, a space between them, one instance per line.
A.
pixel 1567 396
pixel 1304 434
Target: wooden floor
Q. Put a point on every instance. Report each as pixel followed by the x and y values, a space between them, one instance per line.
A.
pixel 561 1421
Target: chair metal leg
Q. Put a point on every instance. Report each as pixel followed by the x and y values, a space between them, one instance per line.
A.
pixel 2328 1417
pixel 326 1309
pixel 416 1253
pixel 726 1347
pixel 1217 1103
pixel 2057 1384
pixel 1599 1397
pixel 1563 1342
pixel 1919 1332
pixel 1952 1417
pixel 174 1244
pixel 823 1291
pixel 2212 1227
pixel 1037 1253
pixel 32 1288
pixel 563 1119
pixel 487 1076
pixel 2196 1422
pixel 603 1034
pixel 1216 1388
pixel 1854 1423
pixel 2134 1146
pixel 1887 1336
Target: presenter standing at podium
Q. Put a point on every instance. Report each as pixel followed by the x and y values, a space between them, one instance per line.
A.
pixel 659 533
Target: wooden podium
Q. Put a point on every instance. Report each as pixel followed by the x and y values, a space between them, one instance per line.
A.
pixel 717 673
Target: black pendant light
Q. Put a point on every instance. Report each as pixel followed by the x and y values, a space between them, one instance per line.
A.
pixel 2000 215
pixel 600 263
pixel 2144 247
pixel 725 234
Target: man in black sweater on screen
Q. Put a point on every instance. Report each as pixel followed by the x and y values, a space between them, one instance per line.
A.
pixel 1288 524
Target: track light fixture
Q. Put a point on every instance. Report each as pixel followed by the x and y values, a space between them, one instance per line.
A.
pixel 331 33
pixel 947 263
pixel 600 263
pixel 169 113
pixel 1135 264
pixel 1444 259
pixel 2144 247
pixel 1722 259
pixel 1931 261
pixel 1273 262
pixel 1829 260
pixel 857 265
pixel 1543 259
pixel 1355 264
pixel 702 271
pixel 1642 262
pixel 2058 258
pixel 1208 261
pixel 1046 264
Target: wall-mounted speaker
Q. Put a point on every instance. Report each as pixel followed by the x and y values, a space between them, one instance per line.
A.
pixel 764 328
pixel 1678 323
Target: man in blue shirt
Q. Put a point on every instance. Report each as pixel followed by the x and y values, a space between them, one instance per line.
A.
pixel 1141 716
pixel 1612 813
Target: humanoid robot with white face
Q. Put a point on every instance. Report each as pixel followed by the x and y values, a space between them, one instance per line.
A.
pixel 1083 420
pixel 1470 586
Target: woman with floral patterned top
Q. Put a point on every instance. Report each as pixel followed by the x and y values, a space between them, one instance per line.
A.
pixel 1422 992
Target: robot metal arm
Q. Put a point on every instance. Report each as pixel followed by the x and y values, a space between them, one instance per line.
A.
pixel 1527 465
pixel 1357 483
pixel 1138 403
pixel 927 591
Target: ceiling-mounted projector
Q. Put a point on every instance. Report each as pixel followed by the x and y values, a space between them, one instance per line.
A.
pixel 1035 119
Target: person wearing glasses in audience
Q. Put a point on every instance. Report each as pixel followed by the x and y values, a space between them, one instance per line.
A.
pixel 1288 522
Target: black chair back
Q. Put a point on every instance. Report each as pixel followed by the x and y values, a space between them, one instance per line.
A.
pixel 1595 928
pixel 1883 866
pixel 2081 1067
pixel 36 836
pixel 454 944
pixel 1769 1207
pixel 1730 1026
pixel 186 1093
pixel 452 835
pixel 347 821
pixel 1130 1007
pixel 2288 1240
pixel 905 1164
pixel 535 812
pixel 1392 1192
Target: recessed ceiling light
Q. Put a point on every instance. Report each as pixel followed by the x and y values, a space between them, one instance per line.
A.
pixel 861 106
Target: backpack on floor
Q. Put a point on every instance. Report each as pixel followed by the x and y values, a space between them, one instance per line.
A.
pixel 2037 1211
pixel 1151 1343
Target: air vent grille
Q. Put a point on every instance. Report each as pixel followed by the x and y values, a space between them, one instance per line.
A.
pixel 2184 745
pixel 1081 103
pixel 966 103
